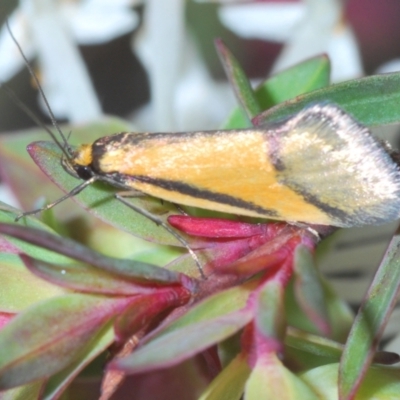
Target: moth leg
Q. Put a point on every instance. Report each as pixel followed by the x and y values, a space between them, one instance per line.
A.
pixel 136 193
pixel 180 209
pixel 121 196
pixel 318 231
pixel 72 193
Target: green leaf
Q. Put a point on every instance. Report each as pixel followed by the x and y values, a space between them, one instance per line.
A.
pixel 341 316
pixel 372 100
pixel 19 287
pixel 86 278
pixel 381 383
pixel 270 316
pixel 239 81
pixel 321 350
pixel 313 344
pixel 308 289
pixel 220 304
pixel 230 382
pixel 370 321
pixel 309 75
pixel 271 380
pixel 27 392
pixel 175 347
pixel 59 382
pixel 50 335
pixel 8 215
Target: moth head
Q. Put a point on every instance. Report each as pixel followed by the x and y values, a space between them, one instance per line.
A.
pixel 79 164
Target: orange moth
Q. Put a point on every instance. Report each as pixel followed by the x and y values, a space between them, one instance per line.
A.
pixel 318 166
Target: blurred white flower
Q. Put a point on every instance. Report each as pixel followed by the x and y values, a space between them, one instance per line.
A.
pixel 160 48
pixel 389 66
pixel 269 21
pixel 183 95
pixel 99 21
pixel 65 79
pixel 306 29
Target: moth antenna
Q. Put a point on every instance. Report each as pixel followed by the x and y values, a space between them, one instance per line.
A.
pixel 66 147
pixel 32 115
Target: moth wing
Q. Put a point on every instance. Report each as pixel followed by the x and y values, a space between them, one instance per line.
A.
pixel 336 164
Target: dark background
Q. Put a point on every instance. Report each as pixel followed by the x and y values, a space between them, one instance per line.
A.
pixel 117 73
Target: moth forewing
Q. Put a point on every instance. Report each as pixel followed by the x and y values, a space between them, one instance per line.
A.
pixel 318 167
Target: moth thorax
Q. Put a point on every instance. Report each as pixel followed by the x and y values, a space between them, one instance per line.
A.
pixel 83 155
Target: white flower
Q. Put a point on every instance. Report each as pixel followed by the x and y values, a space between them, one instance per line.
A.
pixel 183 95
pixel 50 30
pixel 307 29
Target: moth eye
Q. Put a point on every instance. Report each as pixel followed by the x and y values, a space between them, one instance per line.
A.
pixel 83 171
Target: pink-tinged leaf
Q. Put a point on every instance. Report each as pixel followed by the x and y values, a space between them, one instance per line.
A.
pixel 233 247
pixel 341 316
pixel 32 391
pixel 175 347
pixel 210 321
pixel 19 288
pixel 222 303
pixel 220 256
pixel 238 80
pixel 146 307
pixel 7 247
pixel 230 382
pixel 143 272
pixel 51 334
pixel 99 199
pixel 301 78
pixel 271 380
pixel 5 318
pixel 263 246
pixel 182 382
pixel 265 256
pixel 8 215
pixel 308 289
pixel 270 315
pixel 85 278
pixel 220 228
pixel 19 172
pixel 370 322
pixel 59 382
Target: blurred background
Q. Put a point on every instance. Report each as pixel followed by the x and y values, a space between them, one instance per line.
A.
pixel 161 54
